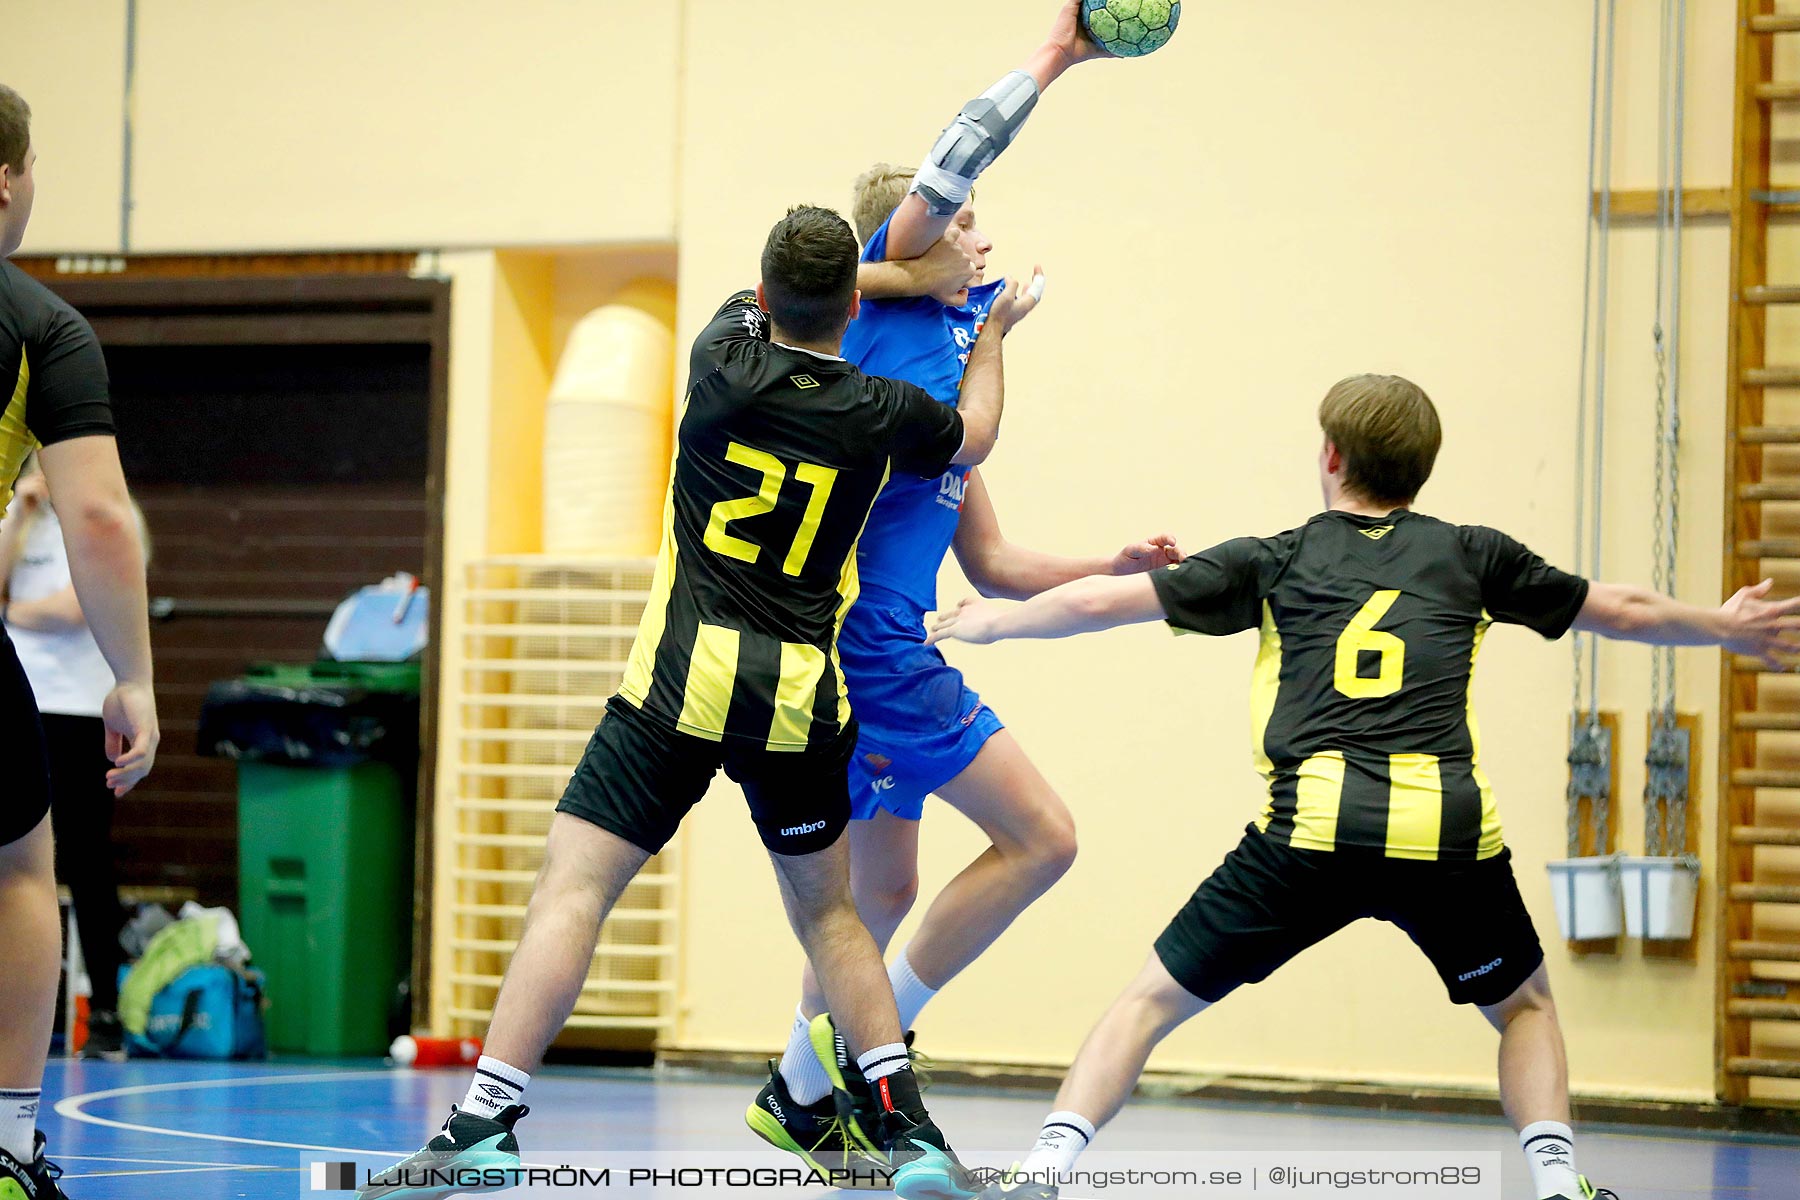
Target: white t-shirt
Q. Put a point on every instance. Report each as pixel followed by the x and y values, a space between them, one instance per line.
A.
pixel 68 673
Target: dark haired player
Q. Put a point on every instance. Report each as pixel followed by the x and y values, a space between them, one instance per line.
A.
pixel 782 448
pixel 1370 617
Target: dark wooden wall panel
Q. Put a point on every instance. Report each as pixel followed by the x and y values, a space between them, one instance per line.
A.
pixel 248 543
pixel 282 422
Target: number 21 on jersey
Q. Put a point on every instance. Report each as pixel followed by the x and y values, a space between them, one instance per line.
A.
pixel 1361 636
pixel 774 474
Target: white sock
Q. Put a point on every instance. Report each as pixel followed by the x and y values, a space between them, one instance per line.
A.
pixel 910 993
pixel 18 1122
pixel 495 1086
pixel 1550 1149
pixel 1064 1136
pixel 801 1069
pixel 883 1061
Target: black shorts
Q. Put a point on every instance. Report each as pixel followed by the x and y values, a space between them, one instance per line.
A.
pixel 27 789
pixel 639 777
pixel 1267 902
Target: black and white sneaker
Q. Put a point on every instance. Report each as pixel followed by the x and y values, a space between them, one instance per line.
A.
pixel 1589 1192
pixel 454 1162
pixel 35 1180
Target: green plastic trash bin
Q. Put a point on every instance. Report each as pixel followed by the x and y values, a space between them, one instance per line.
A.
pixel 325 871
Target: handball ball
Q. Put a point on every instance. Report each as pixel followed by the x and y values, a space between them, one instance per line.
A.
pixel 1131 28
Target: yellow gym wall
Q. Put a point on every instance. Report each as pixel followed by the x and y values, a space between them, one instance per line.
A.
pixel 1228 227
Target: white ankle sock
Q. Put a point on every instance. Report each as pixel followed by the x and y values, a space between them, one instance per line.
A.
pixel 495 1086
pixel 1064 1136
pixel 1550 1149
pixel 910 993
pixel 883 1061
pixel 801 1069
pixel 18 1122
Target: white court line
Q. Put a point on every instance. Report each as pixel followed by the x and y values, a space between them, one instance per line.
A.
pixel 71 1109
pixel 172 1171
pixel 155 1162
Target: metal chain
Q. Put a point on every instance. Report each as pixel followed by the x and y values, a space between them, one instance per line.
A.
pixel 1589 746
pixel 1665 785
pixel 1659 564
pixel 1677 223
pixel 1603 270
pixel 1581 392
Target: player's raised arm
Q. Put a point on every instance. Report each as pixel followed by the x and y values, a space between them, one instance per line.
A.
pixel 742 318
pixel 981 131
pixel 1748 623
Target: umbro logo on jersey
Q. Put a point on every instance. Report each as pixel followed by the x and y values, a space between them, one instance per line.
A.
pixel 1377 533
pixel 804 382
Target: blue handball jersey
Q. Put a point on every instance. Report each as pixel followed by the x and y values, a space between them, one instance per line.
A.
pixel 925 343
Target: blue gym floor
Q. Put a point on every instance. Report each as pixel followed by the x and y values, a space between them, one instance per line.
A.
pixel 200 1131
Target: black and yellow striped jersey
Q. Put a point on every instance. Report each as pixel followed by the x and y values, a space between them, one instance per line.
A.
pixel 1360 711
pixel 52 374
pixel 780 453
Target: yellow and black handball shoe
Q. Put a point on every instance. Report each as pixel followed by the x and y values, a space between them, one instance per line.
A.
pixel 35 1180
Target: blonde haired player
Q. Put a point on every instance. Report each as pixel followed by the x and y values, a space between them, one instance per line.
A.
pixel 923 730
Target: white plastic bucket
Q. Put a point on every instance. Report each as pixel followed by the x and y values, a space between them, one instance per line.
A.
pixel 1586 891
pixel 1660 894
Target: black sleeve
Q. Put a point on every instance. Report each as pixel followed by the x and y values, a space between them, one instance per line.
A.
pixel 738 322
pixel 923 434
pixel 1217 591
pixel 67 394
pixel 1520 588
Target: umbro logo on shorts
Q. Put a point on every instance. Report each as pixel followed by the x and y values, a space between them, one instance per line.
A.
pixel 797 830
pixel 1479 971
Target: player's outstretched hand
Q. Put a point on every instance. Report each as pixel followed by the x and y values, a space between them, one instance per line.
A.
pixel 1760 628
pixel 1147 555
pixel 1070 39
pixel 132 734
pixel 970 621
pixel 1016 301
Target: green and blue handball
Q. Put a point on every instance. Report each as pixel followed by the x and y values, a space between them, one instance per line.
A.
pixel 1131 28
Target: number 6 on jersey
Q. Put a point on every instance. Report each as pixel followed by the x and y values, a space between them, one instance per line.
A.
pixel 1360 636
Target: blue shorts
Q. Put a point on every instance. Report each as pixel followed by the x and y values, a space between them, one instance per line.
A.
pixel 920 724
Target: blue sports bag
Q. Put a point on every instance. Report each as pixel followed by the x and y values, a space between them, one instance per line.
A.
pixel 208 1011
